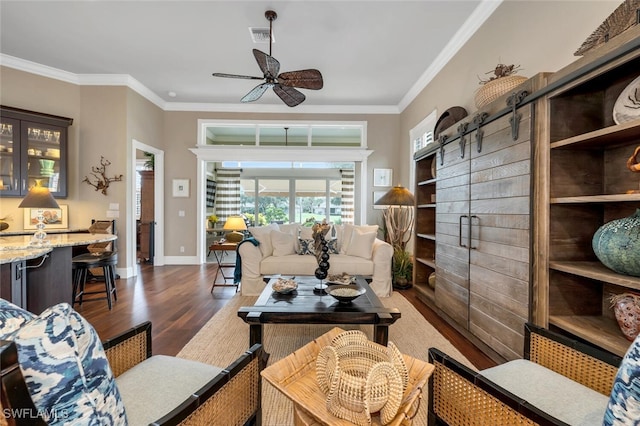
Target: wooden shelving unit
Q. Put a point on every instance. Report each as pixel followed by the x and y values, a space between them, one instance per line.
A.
pixel 425 228
pixel 587 187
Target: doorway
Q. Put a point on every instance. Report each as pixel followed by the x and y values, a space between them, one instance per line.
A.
pixel 142 153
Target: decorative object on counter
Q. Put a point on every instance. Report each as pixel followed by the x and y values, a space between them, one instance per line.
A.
pixel 624 17
pixel 627 106
pixel 39 198
pixel 448 119
pixel 101 181
pixel 617 244
pixel 626 307
pixel 633 164
pixel 398 219
pixel 503 81
pixel 361 377
pixel 235 224
pixel 3 222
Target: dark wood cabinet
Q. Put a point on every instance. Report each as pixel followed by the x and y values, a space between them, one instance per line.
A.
pixel 33 147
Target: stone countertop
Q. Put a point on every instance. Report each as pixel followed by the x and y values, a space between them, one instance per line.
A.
pixel 16 248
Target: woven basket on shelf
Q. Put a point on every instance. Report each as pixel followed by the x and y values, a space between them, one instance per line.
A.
pixel 493 89
pixel 361 377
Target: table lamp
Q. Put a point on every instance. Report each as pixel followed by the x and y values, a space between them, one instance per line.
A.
pixel 40 198
pixel 234 224
pixel 398 216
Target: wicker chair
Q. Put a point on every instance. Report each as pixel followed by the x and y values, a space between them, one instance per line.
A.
pixel 461 396
pixel 237 386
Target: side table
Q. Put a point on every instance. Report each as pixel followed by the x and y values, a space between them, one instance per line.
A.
pixel 218 248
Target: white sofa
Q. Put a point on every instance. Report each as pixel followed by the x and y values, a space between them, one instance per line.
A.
pixel 360 252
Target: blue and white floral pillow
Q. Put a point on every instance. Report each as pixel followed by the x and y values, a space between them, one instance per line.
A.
pixel 624 402
pixel 66 369
pixel 12 317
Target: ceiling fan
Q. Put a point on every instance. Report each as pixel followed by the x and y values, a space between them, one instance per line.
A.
pixel 282 84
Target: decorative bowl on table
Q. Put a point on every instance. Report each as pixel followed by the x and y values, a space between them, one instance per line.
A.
pixel 345 293
pixel 340 279
pixel 284 286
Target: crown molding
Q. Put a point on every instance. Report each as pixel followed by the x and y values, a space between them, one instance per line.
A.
pixel 282 109
pixel 481 13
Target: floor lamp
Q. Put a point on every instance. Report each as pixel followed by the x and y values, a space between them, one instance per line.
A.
pixel 398 220
pixel 40 198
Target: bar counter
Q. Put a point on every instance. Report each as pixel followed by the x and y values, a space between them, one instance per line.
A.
pixel 38 276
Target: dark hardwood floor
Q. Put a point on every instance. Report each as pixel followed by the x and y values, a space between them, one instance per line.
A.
pixel 178 302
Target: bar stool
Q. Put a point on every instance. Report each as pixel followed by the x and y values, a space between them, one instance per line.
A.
pixel 83 263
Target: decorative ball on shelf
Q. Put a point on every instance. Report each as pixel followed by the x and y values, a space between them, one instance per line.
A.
pixel 617 245
pixel 626 307
pixel 432 280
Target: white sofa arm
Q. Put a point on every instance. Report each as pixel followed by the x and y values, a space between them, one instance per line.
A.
pixel 251 283
pixel 382 257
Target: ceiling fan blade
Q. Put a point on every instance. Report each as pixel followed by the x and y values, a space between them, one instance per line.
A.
pixel 246 77
pixel 256 92
pixel 268 64
pixel 305 79
pixel 289 95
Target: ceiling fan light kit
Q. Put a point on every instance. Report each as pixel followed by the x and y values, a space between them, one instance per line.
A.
pixel 284 85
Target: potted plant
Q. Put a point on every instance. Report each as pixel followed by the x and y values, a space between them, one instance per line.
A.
pixel 402 269
pixel 213 219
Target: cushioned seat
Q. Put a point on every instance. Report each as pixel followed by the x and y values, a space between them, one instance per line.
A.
pixel 144 394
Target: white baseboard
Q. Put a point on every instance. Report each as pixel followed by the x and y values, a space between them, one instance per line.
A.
pixel 181 260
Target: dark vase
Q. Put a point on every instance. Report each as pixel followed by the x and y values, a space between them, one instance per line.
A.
pixel 617 244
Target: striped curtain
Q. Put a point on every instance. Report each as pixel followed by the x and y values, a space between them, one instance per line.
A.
pixel 227 193
pixel 348 188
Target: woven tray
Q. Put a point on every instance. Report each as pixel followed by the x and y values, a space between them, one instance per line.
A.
pixel 295 377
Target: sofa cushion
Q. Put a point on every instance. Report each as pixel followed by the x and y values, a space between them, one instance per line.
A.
pixel 549 391
pixel 157 385
pixel 283 243
pixel 624 403
pixel 263 235
pixel 288 265
pixel 12 317
pixel 66 369
pixel 361 243
pixel 347 231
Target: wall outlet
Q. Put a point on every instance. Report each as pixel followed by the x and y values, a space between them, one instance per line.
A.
pixel 181 249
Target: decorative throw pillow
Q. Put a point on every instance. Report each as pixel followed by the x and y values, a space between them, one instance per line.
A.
pixel 306 233
pixel 283 243
pixel 332 244
pixel 624 402
pixel 66 369
pixel 347 231
pixel 361 244
pixel 307 246
pixel 263 235
pixel 12 317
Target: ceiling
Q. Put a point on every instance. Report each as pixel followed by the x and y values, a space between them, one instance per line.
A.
pixel 372 54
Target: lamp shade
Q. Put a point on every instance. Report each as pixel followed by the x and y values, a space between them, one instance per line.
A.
pixel 39 197
pixel 235 223
pixel 397 196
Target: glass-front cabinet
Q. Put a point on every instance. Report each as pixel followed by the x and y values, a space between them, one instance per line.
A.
pixel 33 147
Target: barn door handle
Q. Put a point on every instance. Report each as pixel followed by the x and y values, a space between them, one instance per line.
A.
pixel 460 230
pixel 473 216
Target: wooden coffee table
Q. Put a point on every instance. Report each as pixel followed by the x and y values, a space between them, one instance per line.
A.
pixel 303 306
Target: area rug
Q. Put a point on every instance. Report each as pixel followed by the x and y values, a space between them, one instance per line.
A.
pixel 225 337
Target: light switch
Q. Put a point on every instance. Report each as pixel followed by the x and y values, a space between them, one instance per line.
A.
pixel 114 206
pixel 113 213
pixel 181 213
